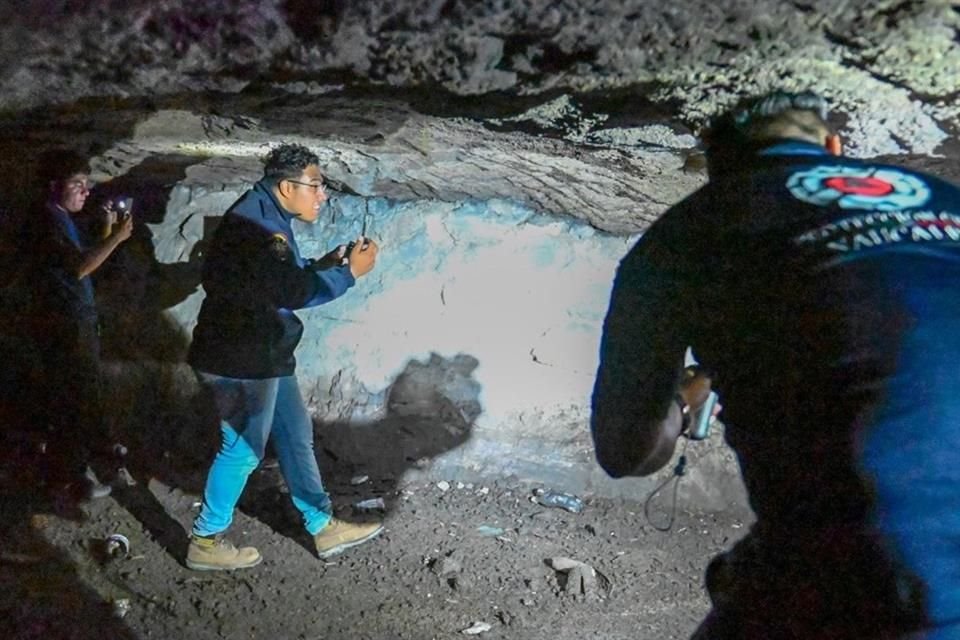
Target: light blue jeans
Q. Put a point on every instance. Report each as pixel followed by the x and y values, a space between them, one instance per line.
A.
pixel 250 411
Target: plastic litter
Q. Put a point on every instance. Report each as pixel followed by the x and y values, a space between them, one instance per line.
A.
pixel 372 503
pixel 117 546
pixel 490 532
pixel 121 607
pixel 549 498
pixel 476 629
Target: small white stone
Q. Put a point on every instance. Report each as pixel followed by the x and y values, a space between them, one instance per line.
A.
pixel 477 628
pixel 443 485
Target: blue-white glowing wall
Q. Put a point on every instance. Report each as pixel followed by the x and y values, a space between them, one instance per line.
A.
pixel 522 292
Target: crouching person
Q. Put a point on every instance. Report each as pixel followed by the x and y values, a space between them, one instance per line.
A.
pixel 243 353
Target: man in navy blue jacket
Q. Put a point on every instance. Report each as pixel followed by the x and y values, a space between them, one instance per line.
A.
pixel 243 352
pixel 825 292
pixel 64 322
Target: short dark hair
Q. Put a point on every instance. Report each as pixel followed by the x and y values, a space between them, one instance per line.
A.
pixel 288 161
pixel 57 165
pixel 757 120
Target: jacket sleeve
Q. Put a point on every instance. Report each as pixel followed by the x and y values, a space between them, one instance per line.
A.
pixel 253 269
pixel 294 287
pixel 641 362
pixel 330 284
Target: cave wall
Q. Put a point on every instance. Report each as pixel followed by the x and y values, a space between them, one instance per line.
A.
pixel 484 312
pixel 508 154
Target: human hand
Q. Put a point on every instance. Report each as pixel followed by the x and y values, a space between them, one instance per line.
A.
pixel 109 214
pixel 332 259
pixel 362 256
pixel 122 229
pixel 695 387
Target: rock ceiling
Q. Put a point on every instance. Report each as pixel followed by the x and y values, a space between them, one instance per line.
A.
pixel 587 109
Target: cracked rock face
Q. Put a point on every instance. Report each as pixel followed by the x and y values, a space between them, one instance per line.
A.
pixel 507 155
pixel 890 65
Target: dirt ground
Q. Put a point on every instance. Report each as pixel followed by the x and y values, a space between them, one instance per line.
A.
pixel 452 555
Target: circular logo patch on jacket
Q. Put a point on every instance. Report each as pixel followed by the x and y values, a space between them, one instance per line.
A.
pixel 859 188
pixel 280 247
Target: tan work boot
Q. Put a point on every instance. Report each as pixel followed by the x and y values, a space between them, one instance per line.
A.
pixel 219 554
pixel 339 535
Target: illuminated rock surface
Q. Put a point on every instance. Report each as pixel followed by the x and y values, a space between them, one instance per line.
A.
pixel 506 157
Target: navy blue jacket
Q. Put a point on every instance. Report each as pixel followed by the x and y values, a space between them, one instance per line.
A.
pixel 825 293
pixel 254 278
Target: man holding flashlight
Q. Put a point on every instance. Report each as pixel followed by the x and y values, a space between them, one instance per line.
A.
pixel 824 291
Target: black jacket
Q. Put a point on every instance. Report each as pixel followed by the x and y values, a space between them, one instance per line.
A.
pixel 254 278
pixel 825 293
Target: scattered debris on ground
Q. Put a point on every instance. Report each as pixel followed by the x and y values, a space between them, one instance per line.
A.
pixel 456 559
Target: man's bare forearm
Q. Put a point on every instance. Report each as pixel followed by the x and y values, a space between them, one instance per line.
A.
pixel 667 434
pixel 628 446
pixel 91 259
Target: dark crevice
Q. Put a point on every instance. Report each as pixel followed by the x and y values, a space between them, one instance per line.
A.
pixel 894 13
pixel 727 46
pixel 864 65
pixel 312 20
pixel 545 57
pixel 282 73
pixel 842 40
pixel 447 10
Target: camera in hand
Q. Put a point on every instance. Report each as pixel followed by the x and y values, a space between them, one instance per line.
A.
pixel 123 205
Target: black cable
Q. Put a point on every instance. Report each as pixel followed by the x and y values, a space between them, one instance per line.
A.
pixel 679 470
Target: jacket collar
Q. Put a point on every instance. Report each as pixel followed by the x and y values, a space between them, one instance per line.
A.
pixel 264 189
pixel 793 148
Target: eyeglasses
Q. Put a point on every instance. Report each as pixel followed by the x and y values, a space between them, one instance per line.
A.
pixel 317 188
pixel 79 185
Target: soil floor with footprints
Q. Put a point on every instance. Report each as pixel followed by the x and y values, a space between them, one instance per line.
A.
pixel 454 557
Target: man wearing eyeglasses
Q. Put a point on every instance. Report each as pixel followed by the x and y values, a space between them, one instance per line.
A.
pixel 64 323
pixel 243 352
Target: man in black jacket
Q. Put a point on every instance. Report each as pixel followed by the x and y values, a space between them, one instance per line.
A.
pixel 825 292
pixel 243 352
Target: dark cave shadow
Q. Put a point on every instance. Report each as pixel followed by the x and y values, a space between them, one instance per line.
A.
pixel 141 350
pixel 176 453
pixel 42 594
pixel 156 411
pixel 430 409
pixel 133 288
